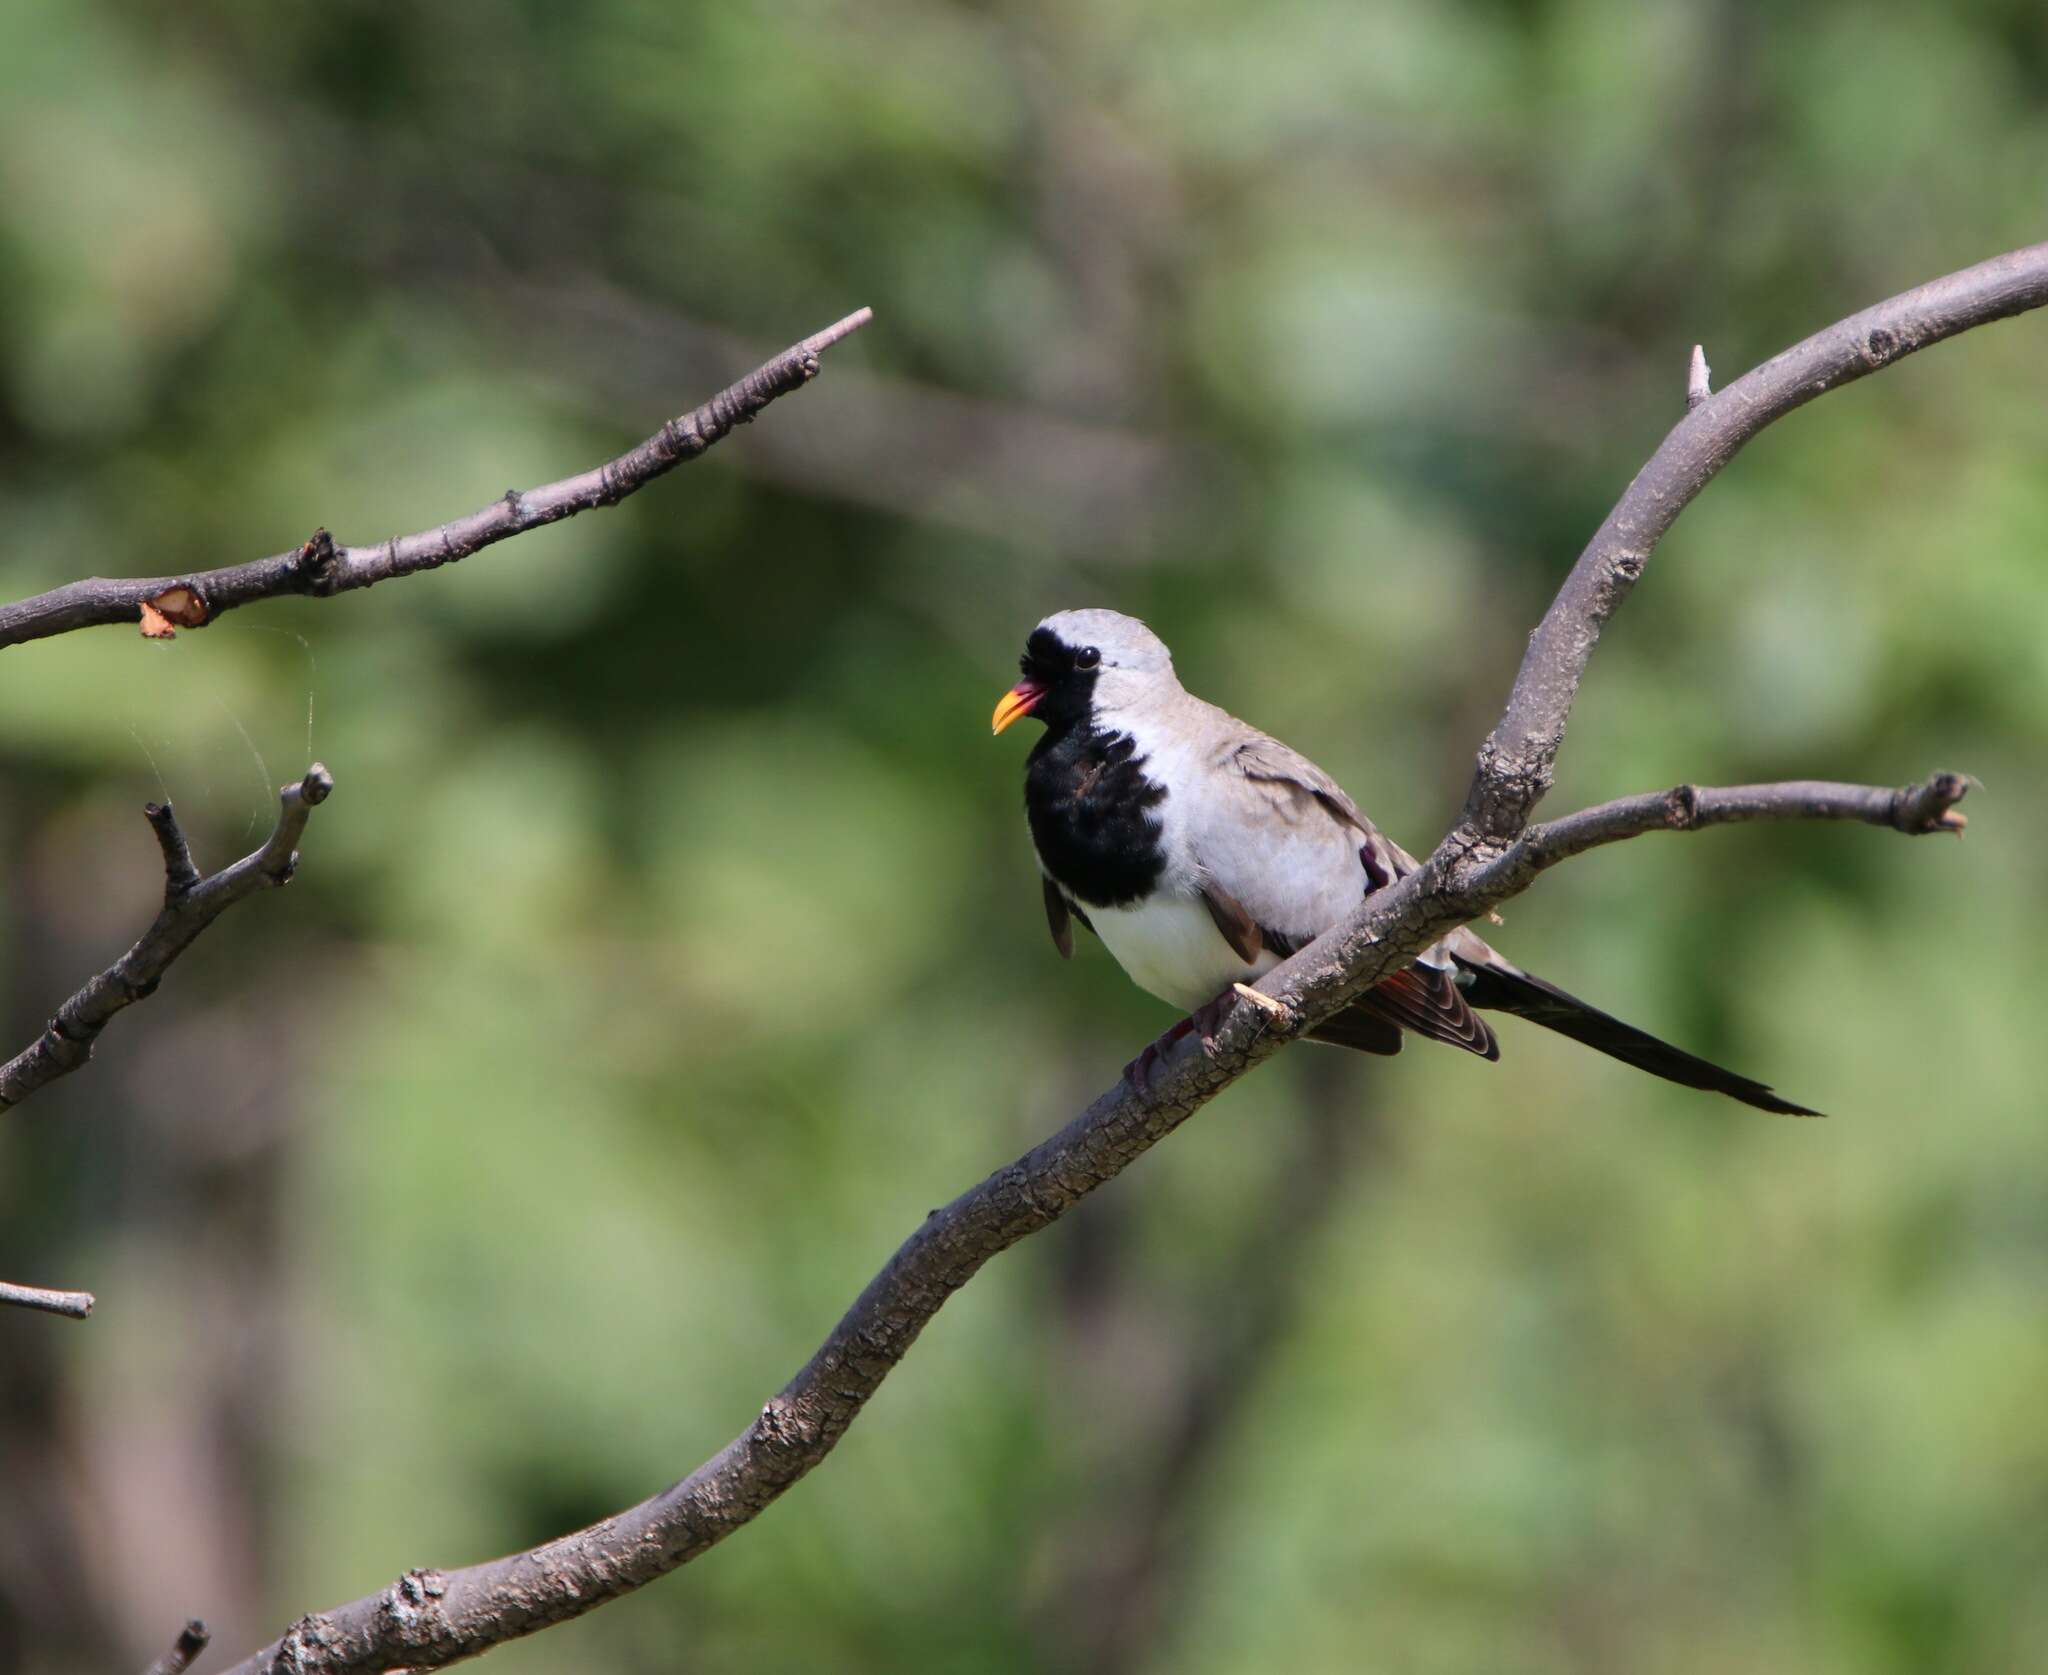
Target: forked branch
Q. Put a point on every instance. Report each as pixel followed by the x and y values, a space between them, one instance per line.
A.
pixel 163 604
pixel 1515 762
pixel 191 903
pixel 430 1618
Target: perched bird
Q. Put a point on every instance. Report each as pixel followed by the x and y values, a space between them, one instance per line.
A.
pixel 1203 852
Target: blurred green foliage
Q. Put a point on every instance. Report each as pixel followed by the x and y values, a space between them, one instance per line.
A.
pixel 671 944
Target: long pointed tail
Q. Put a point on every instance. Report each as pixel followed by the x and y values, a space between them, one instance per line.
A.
pixel 1501 987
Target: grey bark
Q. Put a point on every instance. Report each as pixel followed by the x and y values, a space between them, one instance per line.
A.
pixel 74 1305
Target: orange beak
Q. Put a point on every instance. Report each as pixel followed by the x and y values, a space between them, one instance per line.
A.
pixel 1017 701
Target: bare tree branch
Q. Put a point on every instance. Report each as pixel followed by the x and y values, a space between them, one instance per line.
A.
pixel 191 903
pixel 76 1305
pixel 429 1618
pixel 1514 767
pixel 321 567
pixel 1915 810
pixel 190 1643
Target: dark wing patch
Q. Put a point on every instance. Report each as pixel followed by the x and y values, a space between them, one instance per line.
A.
pixel 1281 943
pixel 1360 1031
pixel 1233 921
pixel 1341 809
pixel 1059 918
pixel 1428 1001
pixel 1421 998
pixel 1378 873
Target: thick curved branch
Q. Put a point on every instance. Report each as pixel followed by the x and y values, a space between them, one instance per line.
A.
pixel 430 1618
pixel 321 567
pixel 191 903
pixel 1515 762
pixel 74 1305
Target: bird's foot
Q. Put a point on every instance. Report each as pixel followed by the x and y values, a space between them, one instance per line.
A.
pixel 1206 1020
pixel 1139 1071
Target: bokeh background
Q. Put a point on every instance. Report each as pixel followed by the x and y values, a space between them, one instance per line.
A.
pixel 672 943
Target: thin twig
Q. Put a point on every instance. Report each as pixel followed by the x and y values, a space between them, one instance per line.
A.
pixel 74 1305
pixel 1698 380
pixel 190 1643
pixel 1916 810
pixel 191 903
pixel 322 567
pixel 431 1618
pixel 180 874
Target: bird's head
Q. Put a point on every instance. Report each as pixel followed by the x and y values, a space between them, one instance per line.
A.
pixel 1078 661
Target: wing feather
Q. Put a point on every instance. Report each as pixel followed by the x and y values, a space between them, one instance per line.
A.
pixel 1237 926
pixel 1058 918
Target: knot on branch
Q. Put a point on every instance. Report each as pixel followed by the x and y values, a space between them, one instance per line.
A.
pixel 1931 806
pixel 682 439
pixel 318 565
pixel 57 1036
pixel 1682 807
pixel 181 605
pixel 411 1607
pixel 1505 787
pixel 305 1647
pixel 1879 347
pixel 780 1428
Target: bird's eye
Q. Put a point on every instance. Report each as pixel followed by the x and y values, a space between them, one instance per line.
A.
pixel 1087 657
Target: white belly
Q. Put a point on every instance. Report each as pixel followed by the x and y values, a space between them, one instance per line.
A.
pixel 1170 947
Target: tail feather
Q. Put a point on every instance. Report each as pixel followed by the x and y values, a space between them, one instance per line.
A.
pixel 1421 998
pixel 1501 987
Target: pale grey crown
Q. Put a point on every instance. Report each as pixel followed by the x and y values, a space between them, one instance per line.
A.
pixel 1124 641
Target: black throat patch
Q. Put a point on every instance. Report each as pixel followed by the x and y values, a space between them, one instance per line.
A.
pixel 1091 805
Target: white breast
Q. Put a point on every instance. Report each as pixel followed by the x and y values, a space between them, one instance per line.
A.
pixel 1170 947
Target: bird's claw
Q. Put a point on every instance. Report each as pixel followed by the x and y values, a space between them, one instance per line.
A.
pixel 1208 1019
pixel 1139 1071
pixel 1205 1022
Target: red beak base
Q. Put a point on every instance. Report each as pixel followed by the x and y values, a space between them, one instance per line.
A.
pixel 1015 702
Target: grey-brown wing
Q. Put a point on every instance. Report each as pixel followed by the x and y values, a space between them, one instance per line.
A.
pixel 1288 789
